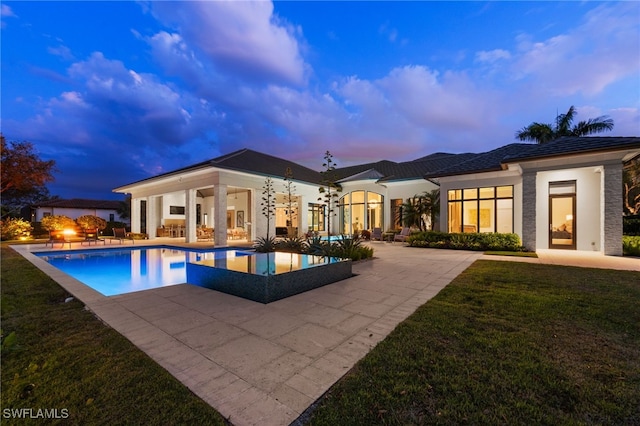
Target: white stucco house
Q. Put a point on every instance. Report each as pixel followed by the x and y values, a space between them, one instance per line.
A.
pixel 565 194
pixel 76 207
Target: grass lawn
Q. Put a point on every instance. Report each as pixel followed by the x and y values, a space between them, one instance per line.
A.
pixel 65 358
pixel 505 343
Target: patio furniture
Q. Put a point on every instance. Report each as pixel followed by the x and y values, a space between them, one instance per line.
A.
pixel 376 234
pixel 57 236
pixel 205 234
pixel 403 235
pixel 122 234
pixel 92 236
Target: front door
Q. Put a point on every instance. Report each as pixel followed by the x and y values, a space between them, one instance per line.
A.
pixel 562 215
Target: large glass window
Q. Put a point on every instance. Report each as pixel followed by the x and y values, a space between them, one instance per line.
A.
pixel 360 210
pixel 487 209
pixel 315 217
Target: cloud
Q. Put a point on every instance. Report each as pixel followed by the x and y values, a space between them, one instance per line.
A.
pixel 491 56
pixel 587 59
pixel 243 38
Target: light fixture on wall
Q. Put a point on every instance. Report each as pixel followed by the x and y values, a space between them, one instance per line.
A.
pixel 569 217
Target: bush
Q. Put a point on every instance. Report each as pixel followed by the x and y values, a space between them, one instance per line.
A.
pixel 292 245
pixel 91 222
pixel 57 223
pixel 466 241
pixel 265 245
pixel 12 229
pixel 631 245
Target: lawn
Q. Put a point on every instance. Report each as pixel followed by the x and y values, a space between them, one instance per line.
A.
pixel 63 358
pixel 505 343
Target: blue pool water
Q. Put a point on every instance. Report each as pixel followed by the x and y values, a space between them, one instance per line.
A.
pixel 125 270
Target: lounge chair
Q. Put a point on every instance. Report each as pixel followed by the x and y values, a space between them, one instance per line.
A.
pixel 403 235
pixel 57 236
pixel 92 236
pixel 122 234
pixel 376 234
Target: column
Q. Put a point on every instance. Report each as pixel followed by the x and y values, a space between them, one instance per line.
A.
pixel 613 203
pixel 220 215
pixel 529 212
pixel 152 217
pixel 135 214
pixel 190 216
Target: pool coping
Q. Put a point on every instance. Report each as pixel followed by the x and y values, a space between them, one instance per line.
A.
pixel 266 364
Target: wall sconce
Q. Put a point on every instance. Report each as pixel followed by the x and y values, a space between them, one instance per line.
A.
pixel 569 217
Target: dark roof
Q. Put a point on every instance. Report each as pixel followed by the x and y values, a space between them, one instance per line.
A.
pixel 576 145
pixel 247 160
pixel 79 203
pixel 517 152
pixel 483 162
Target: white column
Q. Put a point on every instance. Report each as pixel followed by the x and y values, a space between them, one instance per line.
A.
pixel 152 217
pixel 190 216
pixel 220 215
pixel 135 214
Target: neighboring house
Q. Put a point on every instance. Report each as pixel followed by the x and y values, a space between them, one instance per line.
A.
pixel 76 207
pixel 563 194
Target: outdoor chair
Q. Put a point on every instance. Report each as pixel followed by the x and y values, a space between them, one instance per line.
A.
pixel 403 235
pixel 92 236
pixel 122 234
pixel 57 236
pixel 376 234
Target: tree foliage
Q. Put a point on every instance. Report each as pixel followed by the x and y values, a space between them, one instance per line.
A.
pixel 330 187
pixel 91 222
pixel 631 182
pixel 544 132
pixel 421 211
pixel 24 176
pixel 268 202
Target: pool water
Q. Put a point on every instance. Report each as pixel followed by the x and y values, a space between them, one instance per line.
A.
pixel 119 271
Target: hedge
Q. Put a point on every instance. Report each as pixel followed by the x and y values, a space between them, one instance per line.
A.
pixel 466 241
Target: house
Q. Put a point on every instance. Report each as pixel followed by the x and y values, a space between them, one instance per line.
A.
pixel 563 194
pixel 76 207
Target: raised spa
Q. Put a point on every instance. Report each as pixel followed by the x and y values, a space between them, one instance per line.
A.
pixel 267 277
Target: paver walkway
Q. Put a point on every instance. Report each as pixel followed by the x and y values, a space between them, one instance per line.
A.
pixel 266 364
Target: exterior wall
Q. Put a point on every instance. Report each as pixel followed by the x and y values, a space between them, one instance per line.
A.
pixel 588 206
pixel 76 213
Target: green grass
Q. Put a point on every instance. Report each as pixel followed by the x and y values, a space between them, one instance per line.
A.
pixel 65 358
pixel 505 343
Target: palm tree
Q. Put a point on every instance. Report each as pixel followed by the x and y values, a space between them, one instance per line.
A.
pixel 543 132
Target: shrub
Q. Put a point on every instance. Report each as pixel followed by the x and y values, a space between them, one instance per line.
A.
pixel 317 247
pixel 292 245
pixel 13 228
pixel 57 223
pixel 466 241
pixel 631 245
pixel 91 222
pixel 265 245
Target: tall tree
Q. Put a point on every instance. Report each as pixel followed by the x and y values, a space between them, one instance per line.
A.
pixel 290 189
pixel 330 188
pixel 543 132
pixel 268 202
pixel 23 176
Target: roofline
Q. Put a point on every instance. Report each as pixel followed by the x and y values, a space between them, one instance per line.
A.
pixel 521 159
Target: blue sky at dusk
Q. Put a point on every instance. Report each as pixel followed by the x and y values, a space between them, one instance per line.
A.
pixel 120 91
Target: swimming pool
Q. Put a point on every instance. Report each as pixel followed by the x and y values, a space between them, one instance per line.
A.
pixel 125 270
pixel 261 277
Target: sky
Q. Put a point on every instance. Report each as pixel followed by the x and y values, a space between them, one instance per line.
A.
pixel 120 91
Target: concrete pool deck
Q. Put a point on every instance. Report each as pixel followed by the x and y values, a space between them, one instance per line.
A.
pixel 266 364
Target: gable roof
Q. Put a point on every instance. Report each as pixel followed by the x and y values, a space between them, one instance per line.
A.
pixel 81 203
